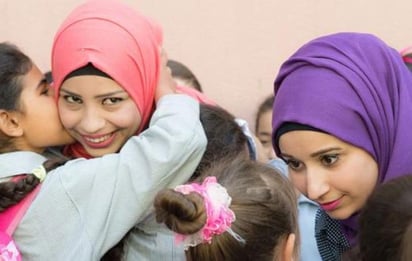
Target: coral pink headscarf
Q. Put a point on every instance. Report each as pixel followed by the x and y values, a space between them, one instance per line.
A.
pixel 195 94
pixel 117 40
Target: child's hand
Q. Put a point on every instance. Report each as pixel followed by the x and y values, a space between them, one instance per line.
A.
pixel 166 84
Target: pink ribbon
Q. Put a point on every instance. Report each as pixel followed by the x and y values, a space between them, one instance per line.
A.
pixel 219 216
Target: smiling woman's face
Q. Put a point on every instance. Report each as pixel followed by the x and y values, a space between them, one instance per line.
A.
pixel 98 113
pixel 335 174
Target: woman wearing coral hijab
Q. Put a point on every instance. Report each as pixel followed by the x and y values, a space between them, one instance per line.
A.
pixel 105 64
pixel 342 118
pixel 84 207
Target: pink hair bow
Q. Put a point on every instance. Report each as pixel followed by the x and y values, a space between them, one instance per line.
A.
pixel 219 215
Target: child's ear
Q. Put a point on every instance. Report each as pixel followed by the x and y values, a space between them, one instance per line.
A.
pixel 10 124
pixel 289 250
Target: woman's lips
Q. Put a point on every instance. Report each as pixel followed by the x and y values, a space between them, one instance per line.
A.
pixel 98 142
pixel 331 205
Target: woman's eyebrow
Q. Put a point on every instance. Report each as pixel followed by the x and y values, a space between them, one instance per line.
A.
pixel 323 151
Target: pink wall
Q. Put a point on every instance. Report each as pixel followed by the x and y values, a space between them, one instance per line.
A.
pixel 234 47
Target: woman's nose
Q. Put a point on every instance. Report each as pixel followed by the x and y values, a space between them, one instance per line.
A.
pixel 91 121
pixel 317 184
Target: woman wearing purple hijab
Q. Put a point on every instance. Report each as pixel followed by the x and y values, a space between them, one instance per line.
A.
pixel 342 121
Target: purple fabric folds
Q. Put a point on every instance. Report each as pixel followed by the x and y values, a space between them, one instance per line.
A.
pixel 357 88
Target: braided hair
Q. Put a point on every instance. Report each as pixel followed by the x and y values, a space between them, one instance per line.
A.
pixel 12 192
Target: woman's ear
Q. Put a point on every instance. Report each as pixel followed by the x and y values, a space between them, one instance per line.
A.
pixel 10 124
pixel 289 250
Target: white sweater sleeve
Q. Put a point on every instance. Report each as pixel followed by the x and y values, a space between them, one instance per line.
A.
pixel 104 197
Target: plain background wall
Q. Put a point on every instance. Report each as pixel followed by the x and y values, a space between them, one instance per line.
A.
pixel 235 47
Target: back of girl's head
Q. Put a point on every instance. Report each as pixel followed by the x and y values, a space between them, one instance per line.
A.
pixel 224 136
pixel 385 222
pixel 13 66
pixel 181 71
pixel 264 204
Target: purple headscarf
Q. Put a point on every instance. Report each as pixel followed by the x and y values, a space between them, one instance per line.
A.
pixel 354 87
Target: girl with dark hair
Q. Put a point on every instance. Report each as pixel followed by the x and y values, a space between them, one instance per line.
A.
pixel 85 206
pixel 237 210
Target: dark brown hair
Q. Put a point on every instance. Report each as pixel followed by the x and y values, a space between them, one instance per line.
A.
pixel 385 223
pixel 14 65
pixel 263 201
pixel 179 70
pixel 225 137
pixel 12 192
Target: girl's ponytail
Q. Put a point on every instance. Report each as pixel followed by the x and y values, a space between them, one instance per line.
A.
pixel 184 214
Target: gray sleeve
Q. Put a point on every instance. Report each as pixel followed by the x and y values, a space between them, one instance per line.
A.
pixel 113 193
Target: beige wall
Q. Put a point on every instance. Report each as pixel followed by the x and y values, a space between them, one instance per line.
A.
pixel 235 47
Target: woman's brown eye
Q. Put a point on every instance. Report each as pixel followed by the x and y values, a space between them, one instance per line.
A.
pixel 293 164
pixel 112 100
pixel 71 99
pixel 329 159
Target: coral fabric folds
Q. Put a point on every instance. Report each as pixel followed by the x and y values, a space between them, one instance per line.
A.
pixel 116 40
